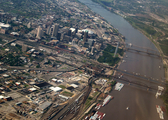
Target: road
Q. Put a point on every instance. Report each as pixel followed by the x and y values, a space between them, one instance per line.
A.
pixel 40 69
pixel 147 78
pixel 8 42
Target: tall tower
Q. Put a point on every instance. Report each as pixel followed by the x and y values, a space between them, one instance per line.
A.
pixel 39 33
pixel 48 30
pixel 116 49
pixel 76 29
pixel 112 38
pixel 69 32
pixel 85 36
pixel 55 30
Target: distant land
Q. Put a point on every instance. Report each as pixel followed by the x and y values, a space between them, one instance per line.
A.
pixel 150 17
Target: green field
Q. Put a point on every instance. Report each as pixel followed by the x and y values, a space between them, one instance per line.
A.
pixel 108 54
pixel 67 93
pixel 164 46
pixel 62 86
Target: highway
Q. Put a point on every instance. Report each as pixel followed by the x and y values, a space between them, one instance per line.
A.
pixel 40 69
pixel 8 42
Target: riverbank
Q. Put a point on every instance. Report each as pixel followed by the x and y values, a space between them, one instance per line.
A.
pixel 137 63
pixel 141 103
pixel 156 44
pixel 165 61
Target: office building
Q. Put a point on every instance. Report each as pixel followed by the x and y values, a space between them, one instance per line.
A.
pixel 39 33
pixel 29 25
pixel 69 32
pixel 48 30
pixel 55 30
pixel 76 30
pixel 85 36
pixel 112 38
pixel 91 42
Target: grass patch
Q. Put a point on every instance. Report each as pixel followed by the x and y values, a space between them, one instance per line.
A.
pixel 108 54
pixel 64 68
pixel 62 86
pixel 67 93
pixel 27 74
pixel 164 46
pixel 96 93
pixel 26 85
pixel 96 86
pixel 87 103
pixel 80 71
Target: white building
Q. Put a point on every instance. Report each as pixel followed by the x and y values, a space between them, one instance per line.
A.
pixel 39 33
pixel 56 89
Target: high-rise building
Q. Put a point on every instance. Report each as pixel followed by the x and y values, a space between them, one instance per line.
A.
pixel 24 48
pixel 79 35
pixel 91 42
pixel 112 38
pixel 39 33
pixel 85 36
pixel 76 30
pixel 58 36
pixel 44 26
pixel 29 25
pixel 48 30
pixel 62 36
pixel 55 30
pixel 73 42
pixel 69 32
pixel 92 50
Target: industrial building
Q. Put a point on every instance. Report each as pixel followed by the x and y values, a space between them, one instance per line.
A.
pixel 43 107
pixel 43 85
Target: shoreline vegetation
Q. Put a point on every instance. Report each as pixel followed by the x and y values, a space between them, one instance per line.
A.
pixel 108 55
pixel 134 24
pixel 156 36
pixel 147 31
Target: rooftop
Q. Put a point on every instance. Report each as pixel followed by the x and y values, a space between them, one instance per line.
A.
pixel 45 105
pixel 42 84
pixel 4 25
pixel 56 89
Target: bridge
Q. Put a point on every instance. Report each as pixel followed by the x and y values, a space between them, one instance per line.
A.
pixel 138 75
pixel 131 47
pixel 8 42
pixel 147 78
pixel 140 51
pixel 154 80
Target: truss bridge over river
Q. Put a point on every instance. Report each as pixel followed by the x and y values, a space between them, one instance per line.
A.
pixel 141 50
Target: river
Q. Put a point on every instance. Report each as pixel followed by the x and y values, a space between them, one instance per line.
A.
pixel 144 109
pixel 134 63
